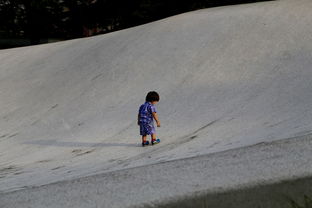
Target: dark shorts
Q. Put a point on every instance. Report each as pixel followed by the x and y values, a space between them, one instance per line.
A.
pixel 147 129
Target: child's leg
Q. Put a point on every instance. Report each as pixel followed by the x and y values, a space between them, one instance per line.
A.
pixel 144 138
pixel 153 137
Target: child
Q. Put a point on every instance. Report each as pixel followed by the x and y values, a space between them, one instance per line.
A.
pixel 147 113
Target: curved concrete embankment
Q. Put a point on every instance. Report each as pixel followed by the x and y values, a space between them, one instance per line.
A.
pixel 264 175
pixel 228 77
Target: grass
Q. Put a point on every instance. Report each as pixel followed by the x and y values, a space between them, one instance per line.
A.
pixel 307 203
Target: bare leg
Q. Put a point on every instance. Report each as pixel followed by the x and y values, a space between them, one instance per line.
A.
pixel 143 138
pixel 153 136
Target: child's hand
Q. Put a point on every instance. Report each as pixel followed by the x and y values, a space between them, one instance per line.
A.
pixel 158 124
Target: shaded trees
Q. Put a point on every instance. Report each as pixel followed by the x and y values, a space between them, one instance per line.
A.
pixel 64 19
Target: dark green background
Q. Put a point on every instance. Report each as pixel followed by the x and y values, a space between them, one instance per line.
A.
pixel 28 22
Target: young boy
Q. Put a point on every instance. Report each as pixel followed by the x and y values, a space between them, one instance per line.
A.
pixel 147 113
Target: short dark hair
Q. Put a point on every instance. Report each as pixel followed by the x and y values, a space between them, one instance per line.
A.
pixel 152 96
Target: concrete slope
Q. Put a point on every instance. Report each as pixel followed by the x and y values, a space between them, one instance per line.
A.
pixel 265 175
pixel 228 77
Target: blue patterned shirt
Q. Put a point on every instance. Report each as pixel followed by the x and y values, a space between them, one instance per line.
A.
pixel 145 113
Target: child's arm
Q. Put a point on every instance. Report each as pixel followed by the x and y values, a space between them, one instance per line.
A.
pixel 155 116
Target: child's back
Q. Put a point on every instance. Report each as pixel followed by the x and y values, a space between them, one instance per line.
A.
pixel 146 116
pixel 146 112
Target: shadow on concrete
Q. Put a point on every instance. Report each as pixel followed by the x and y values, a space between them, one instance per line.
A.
pixel 276 195
pixel 80 144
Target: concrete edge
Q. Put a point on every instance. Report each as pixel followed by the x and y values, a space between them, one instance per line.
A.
pixel 261 175
pixel 275 195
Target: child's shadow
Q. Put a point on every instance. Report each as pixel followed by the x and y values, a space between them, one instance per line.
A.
pixel 79 144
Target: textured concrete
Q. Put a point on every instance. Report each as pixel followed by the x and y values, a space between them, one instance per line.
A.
pixel 228 77
pixel 263 175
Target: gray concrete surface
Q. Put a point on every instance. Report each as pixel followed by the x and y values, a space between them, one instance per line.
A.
pixel 262 175
pixel 228 78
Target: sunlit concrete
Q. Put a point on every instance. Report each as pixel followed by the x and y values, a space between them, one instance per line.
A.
pixel 228 77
